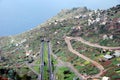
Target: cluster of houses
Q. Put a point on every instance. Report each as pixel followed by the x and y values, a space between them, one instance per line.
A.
pixel 93 17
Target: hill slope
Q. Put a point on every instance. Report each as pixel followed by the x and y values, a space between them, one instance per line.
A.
pixel 100 27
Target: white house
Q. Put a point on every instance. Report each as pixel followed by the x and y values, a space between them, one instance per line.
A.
pixel 105 37
pixel 77 17
pixel 28 52
pixel 61 19
pixel 90 14
pixel 107 57
pixel 16 44
pixel 55 23
pixel 55 32
pixel 117 53
pixel 103 23
pixel 105 78
pixel 12 41
pixel 111 36
pixel 84 16
pixel 118 65
pixel 97 19
pixel 118 20
pixel 24 40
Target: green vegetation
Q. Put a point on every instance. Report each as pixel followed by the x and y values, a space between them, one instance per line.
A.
pixel 64 73
pixel 73 23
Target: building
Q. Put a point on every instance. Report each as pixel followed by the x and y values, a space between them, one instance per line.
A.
pixel 108 57
pixel 105 78
pixel 117 53
pixel 111 36
pixel 118 65
pixel 105 37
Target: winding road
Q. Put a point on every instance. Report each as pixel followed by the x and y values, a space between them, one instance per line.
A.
pixel 99 66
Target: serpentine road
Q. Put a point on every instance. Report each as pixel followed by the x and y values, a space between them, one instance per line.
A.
pixel 99 66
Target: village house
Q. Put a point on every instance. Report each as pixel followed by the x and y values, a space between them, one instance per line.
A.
pixel 58 42
pixel 16 44
pixel 105 78
pixel 84 16
pixel 76 28
pixel 49 23
pixel 90 14
pixel 118 65
pixel 55 23
pixel 117 53
pixel 118 20
pixel 96 79
pixel 108 57
pixel 12 41
pixel 98 14
pixel 105 37
pixel 111 36
pixel 97 19
pixel 62 19
pixel 102 22
pixel 28 52
pixel 27 46
pixel 76 17
pixel 57 31
pixel 91 21
pixel 24 40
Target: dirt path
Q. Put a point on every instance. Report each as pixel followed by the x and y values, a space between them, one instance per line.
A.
pixel 92 44
pixel 99 66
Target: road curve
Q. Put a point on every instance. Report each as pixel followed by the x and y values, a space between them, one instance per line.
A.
pixel 92 44
pixel 99 66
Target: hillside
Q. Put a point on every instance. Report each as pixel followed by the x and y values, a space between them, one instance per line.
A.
pixel 91 33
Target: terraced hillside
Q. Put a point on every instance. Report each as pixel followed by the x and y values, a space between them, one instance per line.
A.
pixel 80 41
